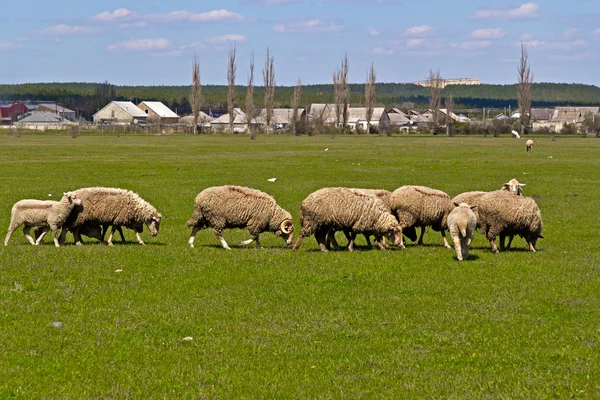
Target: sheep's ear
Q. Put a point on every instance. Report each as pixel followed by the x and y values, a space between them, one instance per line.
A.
pixel 455 204
pixel 540 236
pixel 473 207
pixel 505 186
pixel 522 184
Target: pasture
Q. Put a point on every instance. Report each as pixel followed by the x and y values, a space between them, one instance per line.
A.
pixel 277 323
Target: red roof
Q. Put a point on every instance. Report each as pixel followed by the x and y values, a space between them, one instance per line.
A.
pixel 13 110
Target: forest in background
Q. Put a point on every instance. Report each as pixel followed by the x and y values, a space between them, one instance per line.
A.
pixel 87 98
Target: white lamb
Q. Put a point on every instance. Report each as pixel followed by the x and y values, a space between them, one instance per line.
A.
pixel 462 224
pixel 47 214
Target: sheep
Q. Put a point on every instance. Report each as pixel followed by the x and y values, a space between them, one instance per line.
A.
pixel 224 207
pixel 48 214
pixel 352 210
pixel 501 213
pixel 93 231
pixel 421 206
pixel 513 186
pixel 529 145
pixel 111 206
pixel 461 225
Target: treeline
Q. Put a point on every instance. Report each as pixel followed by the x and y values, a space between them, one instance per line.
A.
pixel 87 98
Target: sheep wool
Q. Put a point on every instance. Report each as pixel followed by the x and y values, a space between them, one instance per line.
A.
pixel 47 214
pixel 111 206
pixel 354 210
pixel 225 207
pixel 421 206
pixel 461 225
pixel 502 213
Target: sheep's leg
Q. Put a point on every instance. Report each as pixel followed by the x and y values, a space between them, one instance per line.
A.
pixel 321 237
pixel 351 241
pixel 26 230
pixel 331 241
pixel 531 247
pixel 420 242
pixel 104 230
pixel 195 230
pixel 458 247
pixel 77 236
pixel 120 230
pixel 368 239
pixel 222 240
pixel 253 239
pixel 446 245
pixel 502 239
pixel 110 235
pixel 402 246
pixel 298 242
pixel 139 239
pixel 493 245
pixel 7 238
pixel 43 232
pixel 465 248
pixel 63 235
pixel 54 235
pixel 510 239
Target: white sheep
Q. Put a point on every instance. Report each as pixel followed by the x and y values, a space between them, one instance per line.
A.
pixel 225 207
pixel 529 145
pixel 421 206
pixel 352 210
pixel 501 213
pixel 47 214
pixel 111 206
pixel 462 223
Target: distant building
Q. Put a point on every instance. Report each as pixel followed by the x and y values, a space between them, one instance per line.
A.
pixel 61 111
pixel 446 82
pixel 11 112
pixel 158 113
pixel 240 123
pixel 120 112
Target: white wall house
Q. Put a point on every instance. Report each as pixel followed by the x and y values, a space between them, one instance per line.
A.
pixel 120 112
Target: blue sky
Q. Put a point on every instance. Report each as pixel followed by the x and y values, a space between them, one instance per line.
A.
pixel 153 42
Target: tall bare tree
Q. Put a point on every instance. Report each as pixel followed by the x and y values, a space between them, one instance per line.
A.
pixel 449 102
pixel 249 111
pixel 370 95
pixel 231 67
pixel 337 99
pixel 435 84
pixel 296 106
pixel 196 93
pixel 525 80
pixel 269 81
pixel 341 93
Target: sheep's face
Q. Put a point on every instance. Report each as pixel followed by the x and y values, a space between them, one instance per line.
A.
pixel 153 225
pixel 72 198
pixel 514 186
pixel 395 235
pixel 286 231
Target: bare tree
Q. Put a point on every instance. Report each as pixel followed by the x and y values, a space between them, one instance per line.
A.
pixel 370 95
pixel 449 101
pixel 435 84
pixel 525 80
pixel 196 94
pixel 249 111
pixel 296 105
pixel 341 93
pixel 231 66
pixel 269 81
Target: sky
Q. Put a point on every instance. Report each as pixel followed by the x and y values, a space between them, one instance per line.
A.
pixel 154 42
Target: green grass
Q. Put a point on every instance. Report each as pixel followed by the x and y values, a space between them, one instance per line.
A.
pixel 274 323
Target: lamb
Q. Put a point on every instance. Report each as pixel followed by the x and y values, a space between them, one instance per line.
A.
pixel 501 213
pixel 461 225
pixel 111 206
pixel 48 214
pixel 224 207
pixel 421 206
pixel 529 145
pixel 352 210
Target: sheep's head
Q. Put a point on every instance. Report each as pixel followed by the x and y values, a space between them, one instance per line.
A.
pixel 513 186
pixel 286 231
pixel 394 234
pixel 72 198
pixel 153 224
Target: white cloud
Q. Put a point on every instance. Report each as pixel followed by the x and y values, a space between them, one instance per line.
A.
pixel 532 43
pixel 526 37
pixel 310 26
pixel 527 10
pixel 231 37
pixel 414 42
pixel 492 33
pixel 66 30
pixel 373 32
pixel 597 32
pixel 569 33
pixel 123 14
pixel 421 30
pixel 568 45
pixel 476 44
pixel 117 15
pixel 279 2
pixel 140 45
pixel 380 51
pixel 4 46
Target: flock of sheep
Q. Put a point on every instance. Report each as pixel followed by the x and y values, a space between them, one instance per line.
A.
pixel 379 213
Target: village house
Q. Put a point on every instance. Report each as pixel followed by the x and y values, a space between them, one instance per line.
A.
pixel 120 112
pixel 158 113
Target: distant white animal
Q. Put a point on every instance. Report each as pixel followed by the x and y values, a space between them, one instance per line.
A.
pixel 516 134
pixel 529 146
pixel 272 179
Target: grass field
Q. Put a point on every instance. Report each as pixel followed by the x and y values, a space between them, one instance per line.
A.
pixel 274 323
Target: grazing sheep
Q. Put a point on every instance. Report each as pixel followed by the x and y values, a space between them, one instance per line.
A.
pixel 224 207
pixel 352 210
pixel 529 145
pixel 48 214
pixel 461 225
pixel 421 206
pixel 111 206
pixel 501 213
